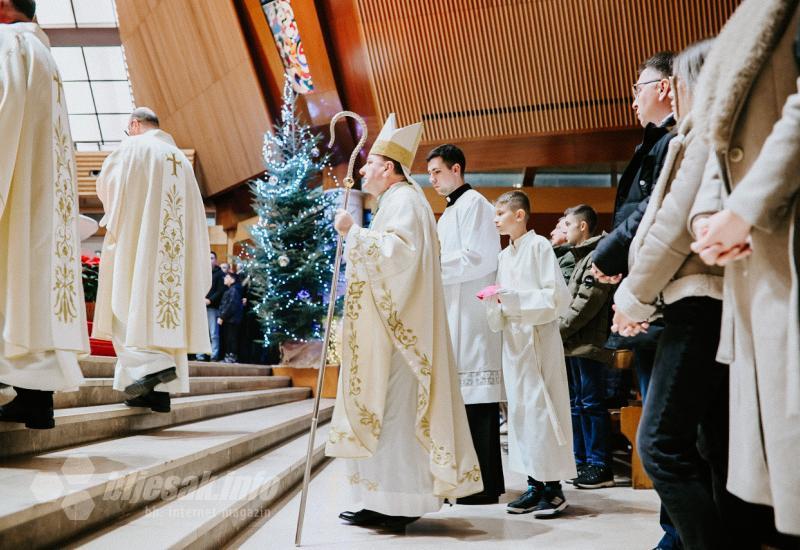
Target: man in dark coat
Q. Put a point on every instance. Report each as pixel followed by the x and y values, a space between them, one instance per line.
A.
pixel 213 299
pixel 652 106
pixel 610 259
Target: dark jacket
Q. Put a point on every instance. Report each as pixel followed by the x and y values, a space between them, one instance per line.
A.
pixel 217 287
pixel 584 328
pixel 633 194
pixel 566 261
pixel 231 309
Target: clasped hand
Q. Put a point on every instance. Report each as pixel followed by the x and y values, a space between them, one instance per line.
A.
pixel 601 277
pixel 721 238
pixel 625 326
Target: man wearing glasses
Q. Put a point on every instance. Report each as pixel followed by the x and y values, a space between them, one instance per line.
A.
pixel 154 275
pixel 653 109
pixel 652 106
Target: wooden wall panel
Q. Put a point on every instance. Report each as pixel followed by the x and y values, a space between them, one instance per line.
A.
pixel 189 61
pixel 543 199
pixel 483 69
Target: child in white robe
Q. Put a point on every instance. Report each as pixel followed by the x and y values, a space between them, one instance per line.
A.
pixel 525 305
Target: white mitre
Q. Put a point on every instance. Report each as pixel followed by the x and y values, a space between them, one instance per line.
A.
pixel 398 144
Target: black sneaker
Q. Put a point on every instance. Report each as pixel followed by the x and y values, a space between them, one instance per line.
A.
pixel 525 503
pixel 580 468
pixel 551 503
pixel 595 477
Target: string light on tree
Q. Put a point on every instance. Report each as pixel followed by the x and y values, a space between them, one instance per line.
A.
pixel 291 259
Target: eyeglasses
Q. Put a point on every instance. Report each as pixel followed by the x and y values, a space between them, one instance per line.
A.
pixel 637 87
pixel 127 130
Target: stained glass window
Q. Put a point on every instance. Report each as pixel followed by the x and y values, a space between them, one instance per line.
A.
pixel 283 25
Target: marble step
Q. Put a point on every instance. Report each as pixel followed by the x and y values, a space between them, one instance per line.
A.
pixel 54 497
pixel 214 513
pixel 96 366
pixel 82 424
pixel 100 391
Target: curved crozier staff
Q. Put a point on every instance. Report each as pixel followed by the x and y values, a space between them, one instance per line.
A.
pixel 348 184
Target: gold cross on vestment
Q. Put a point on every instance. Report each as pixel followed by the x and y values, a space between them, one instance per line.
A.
pixel 57 80
pixel 175 163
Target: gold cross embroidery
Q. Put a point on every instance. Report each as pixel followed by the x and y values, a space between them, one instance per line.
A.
pixel 175 163
pixel 57 80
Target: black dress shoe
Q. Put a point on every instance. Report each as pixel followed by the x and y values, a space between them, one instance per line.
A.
pixel 478 499
pixel 362 517
pixel 370 518
pixel 34 408
pixel 156 401
pixel 145 384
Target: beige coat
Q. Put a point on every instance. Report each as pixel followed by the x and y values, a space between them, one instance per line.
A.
pixel 662 266
pixel 395 304
pixel 754 170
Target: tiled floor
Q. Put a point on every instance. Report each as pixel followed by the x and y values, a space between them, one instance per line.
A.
pixel 618 518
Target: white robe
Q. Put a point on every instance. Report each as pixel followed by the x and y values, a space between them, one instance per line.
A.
pixel 534 372
pixel 154 271
pixel 407 428
pixel 470 246
pixel 42 313
pixel 383 483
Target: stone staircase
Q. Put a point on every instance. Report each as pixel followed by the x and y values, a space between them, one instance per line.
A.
pixel 113 476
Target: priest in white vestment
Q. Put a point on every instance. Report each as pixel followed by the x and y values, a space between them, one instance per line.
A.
pixel 42 313
pixel 399 411
pixel 470 245
pixel 154 266
pixel 532 295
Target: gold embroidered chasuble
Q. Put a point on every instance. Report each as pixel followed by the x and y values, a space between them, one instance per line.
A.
pixel 154 270
pixel 42 314
pixel 394 303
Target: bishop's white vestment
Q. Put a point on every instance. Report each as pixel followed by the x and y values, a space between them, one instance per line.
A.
pixel 42 313
pixel 470 246
pixel 154 271
pixel 533 296
pixel 398 408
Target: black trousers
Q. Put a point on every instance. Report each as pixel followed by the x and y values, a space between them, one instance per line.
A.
pixel 484 424
pixel 230 338
pixel 683 434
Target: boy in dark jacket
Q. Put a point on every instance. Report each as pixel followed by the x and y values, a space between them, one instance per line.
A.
pixel 584 329
pixel 231 311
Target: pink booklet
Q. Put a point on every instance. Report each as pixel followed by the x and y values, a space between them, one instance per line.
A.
pixel 490 290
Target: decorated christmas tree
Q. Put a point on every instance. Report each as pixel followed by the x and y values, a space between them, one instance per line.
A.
pixel 291 260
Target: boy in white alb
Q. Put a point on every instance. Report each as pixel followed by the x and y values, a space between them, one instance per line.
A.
pixel 525 305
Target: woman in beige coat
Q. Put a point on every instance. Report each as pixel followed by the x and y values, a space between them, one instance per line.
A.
pixel 751 116
pixel 683 430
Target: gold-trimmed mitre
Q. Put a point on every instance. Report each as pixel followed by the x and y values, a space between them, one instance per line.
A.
pixel 398 144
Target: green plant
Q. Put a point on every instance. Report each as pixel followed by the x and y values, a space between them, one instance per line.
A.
pixel 91 270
